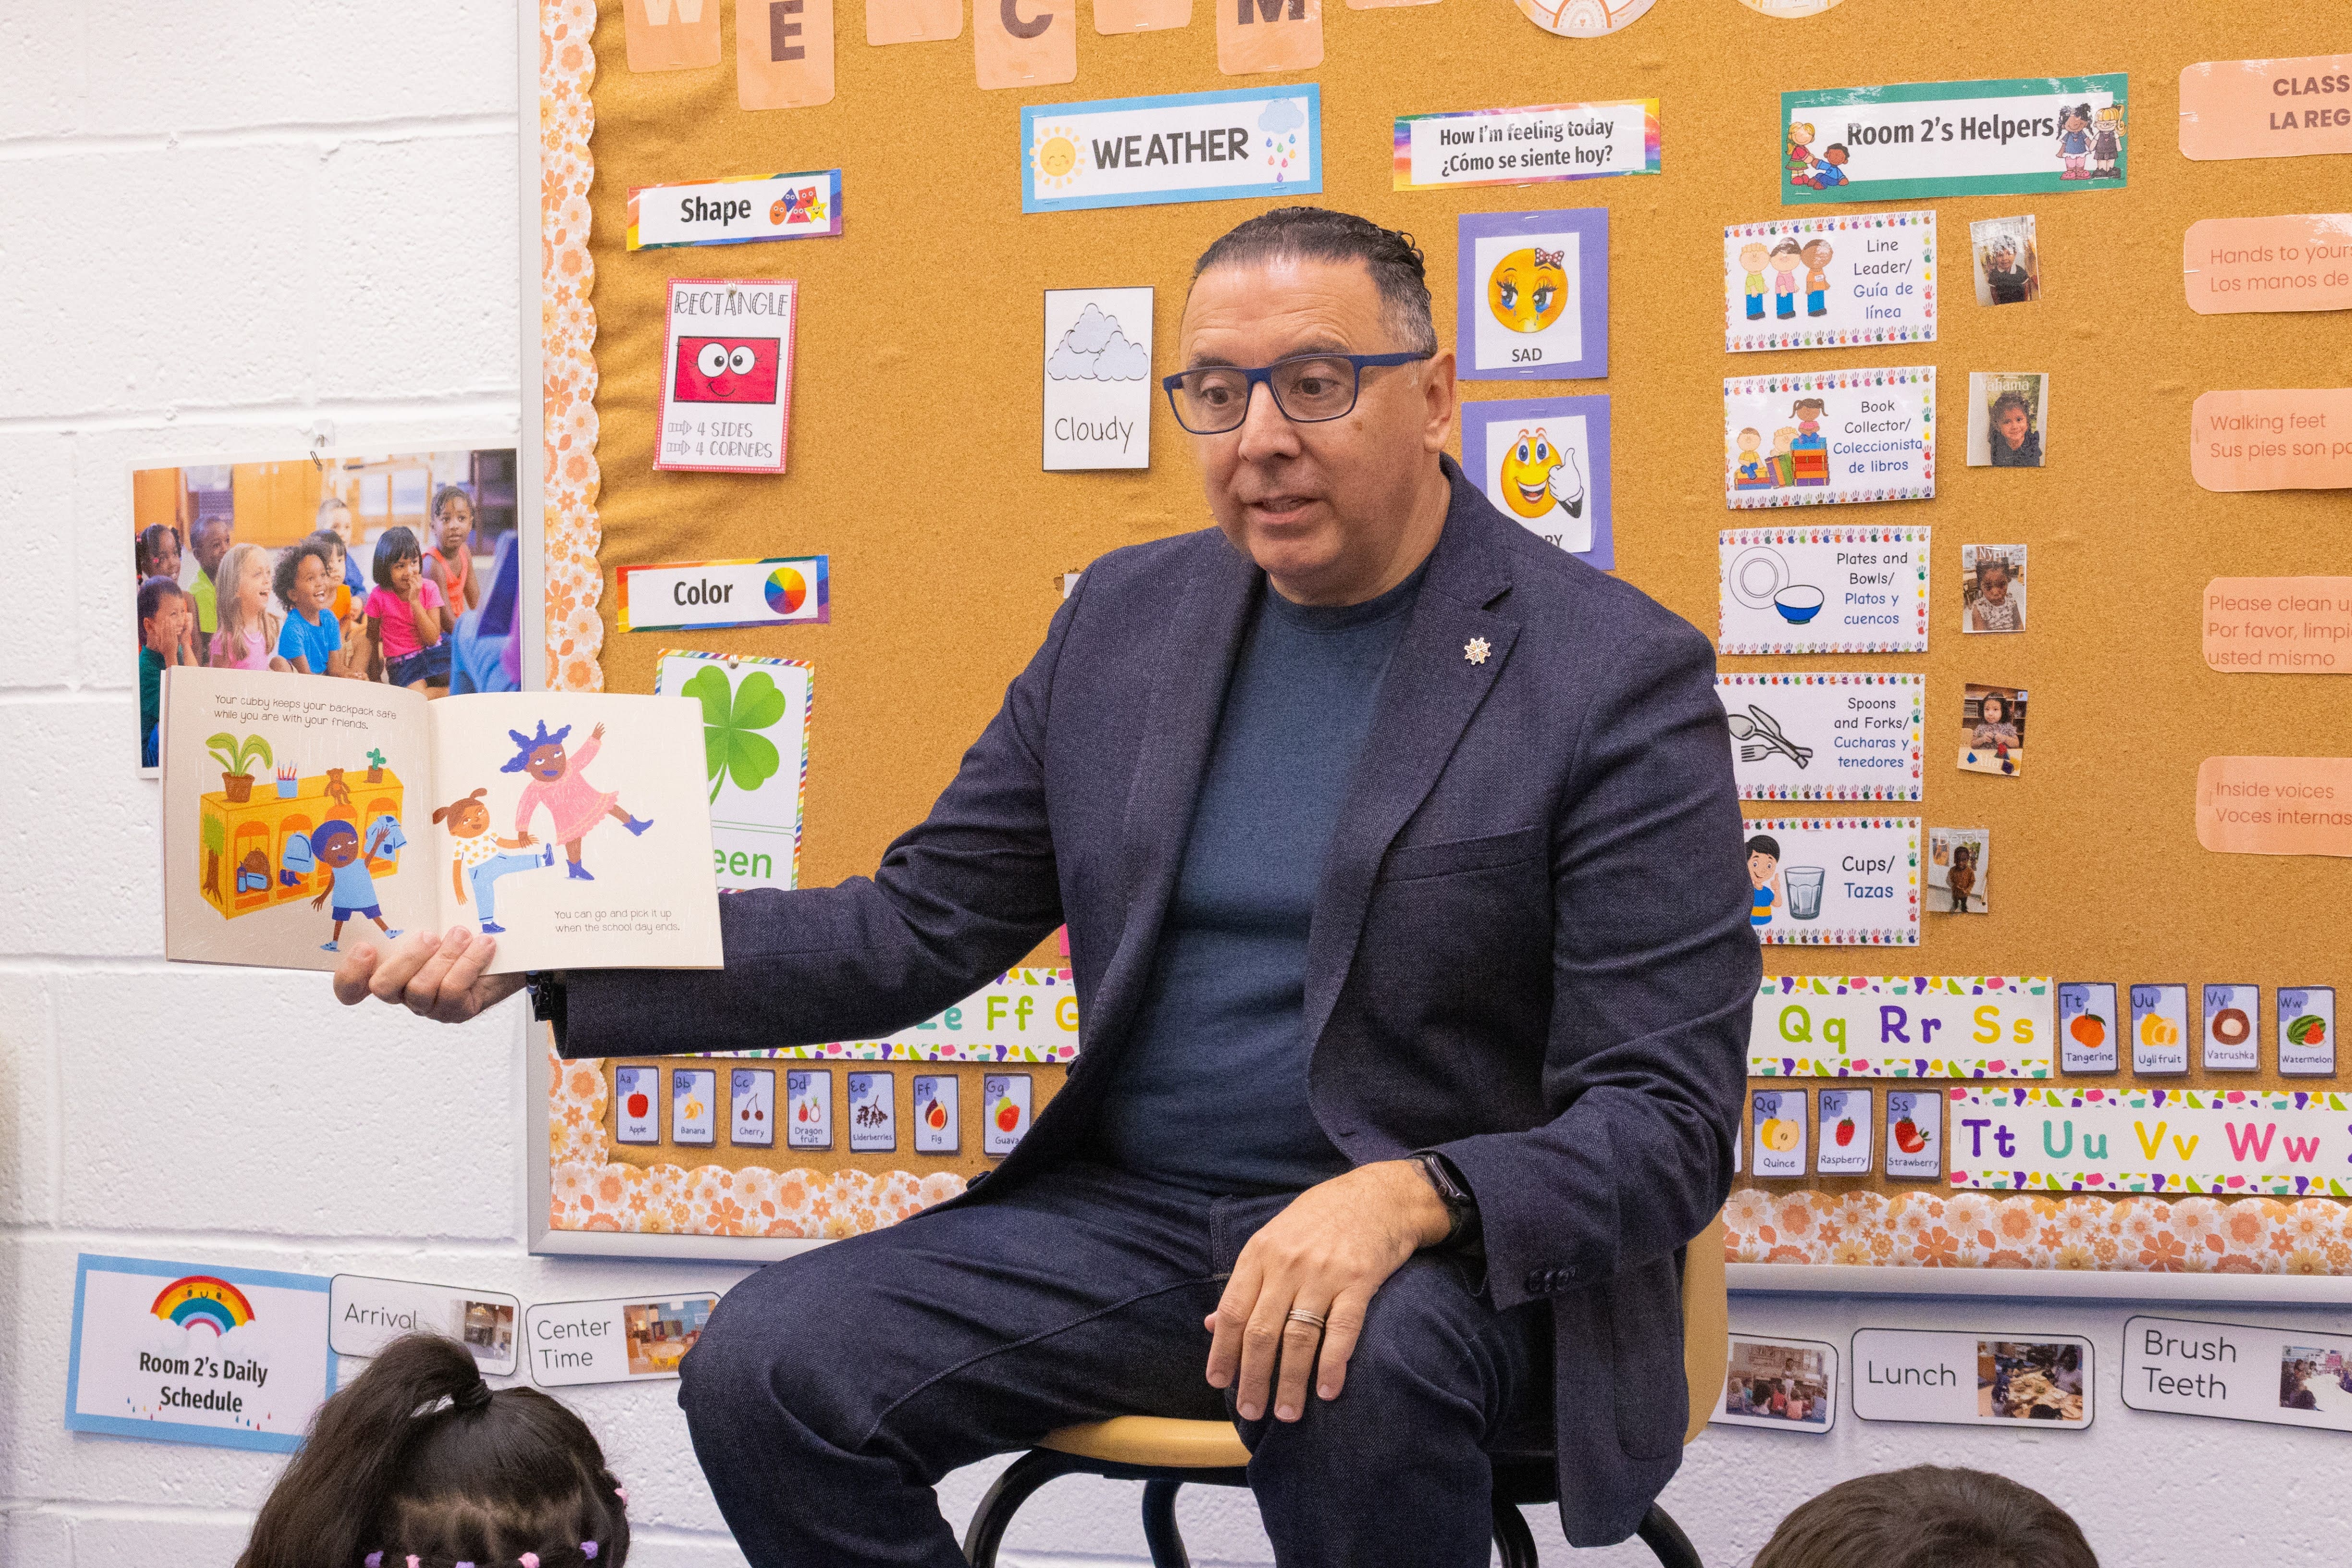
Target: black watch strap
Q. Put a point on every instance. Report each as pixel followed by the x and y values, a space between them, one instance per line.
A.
pixel 546 999
pixel 1461 1206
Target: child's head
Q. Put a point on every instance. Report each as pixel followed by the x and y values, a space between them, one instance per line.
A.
pixel 162 614
pixel 1834 155
pixel 157 551
pixel 1752 256
pixel 417 1457
pixel 335 517
pixel 1799 132
pixel 1992 708
pixel 1749 440
pixel 211 537
pixel 2012 418
pixel 336 549
pixel 2004 252
pixel 335 842
pixel 453 517
pixel 467 818
pixel 1992 580
pixel 2111 114
pixel 1807 410
pixel 1928 1517
pixel 305 578
pixel 1763 859
pixel 2078 117
pixel 1785 256
pixel 399 560
pixel 1817 254
pixel 242 579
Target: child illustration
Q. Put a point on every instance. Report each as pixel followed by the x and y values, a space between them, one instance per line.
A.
pixel 1995 610
pixel 481 858
pixel 2074 142
pixel 1810 452
pixel 1831 169
pixel 163 621
pixel 1750 470
pixel 1751 261
pixel 1764 878
pixel 1784 459
pixel 311 640
pixel 336 845
pixel 246 632
pixel 2108 143
pixel 1800 158
pixel 1785 261
pixel 1817 254
pixel 2015 443
pixel 408 622
pixel 559 782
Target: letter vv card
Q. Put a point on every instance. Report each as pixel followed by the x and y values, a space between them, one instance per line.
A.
pixel 727 376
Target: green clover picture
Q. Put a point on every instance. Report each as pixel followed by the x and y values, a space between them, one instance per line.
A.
pixel 731 746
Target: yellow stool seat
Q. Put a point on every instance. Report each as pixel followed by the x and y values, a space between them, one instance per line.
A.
pixel 1164 1442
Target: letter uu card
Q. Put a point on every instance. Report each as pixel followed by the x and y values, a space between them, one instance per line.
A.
pixel 726 376
pixel 1099 390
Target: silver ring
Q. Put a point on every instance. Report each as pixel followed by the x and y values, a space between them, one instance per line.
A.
pixel 1301 1315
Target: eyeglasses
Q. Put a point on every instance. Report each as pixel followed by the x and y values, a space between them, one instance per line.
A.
pixel 1307 388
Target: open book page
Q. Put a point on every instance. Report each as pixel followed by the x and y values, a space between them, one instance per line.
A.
pixel 295 816
pixel 576 828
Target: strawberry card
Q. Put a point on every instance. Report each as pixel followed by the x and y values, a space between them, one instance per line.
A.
pixel 1915 1134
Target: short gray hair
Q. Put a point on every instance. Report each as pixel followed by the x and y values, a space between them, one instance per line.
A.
pixel 1317 233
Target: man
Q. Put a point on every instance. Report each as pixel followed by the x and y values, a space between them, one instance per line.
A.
pixel 1379 827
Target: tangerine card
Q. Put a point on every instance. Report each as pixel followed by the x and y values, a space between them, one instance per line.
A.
pixel 2087 1026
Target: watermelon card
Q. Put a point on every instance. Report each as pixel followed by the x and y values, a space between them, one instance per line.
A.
pixel 2306 1031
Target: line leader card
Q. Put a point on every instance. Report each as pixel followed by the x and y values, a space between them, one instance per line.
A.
pixel 1829 282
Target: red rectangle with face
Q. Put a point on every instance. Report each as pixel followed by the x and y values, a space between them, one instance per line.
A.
pixel 726 370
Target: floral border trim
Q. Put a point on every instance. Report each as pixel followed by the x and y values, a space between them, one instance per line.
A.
pixel 2232 1184
pixel 1777 985
pixel 587 1190
pixel 567 333
pixel 2031 1231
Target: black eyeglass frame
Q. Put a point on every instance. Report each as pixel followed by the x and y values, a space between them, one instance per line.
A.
pixel 1265 373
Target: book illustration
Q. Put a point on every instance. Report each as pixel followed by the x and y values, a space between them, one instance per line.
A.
pixel 479 858
pixel 306 838
pixel 559 782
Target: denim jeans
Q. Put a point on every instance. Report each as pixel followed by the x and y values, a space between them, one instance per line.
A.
pixel 832 1391
pixel 486 875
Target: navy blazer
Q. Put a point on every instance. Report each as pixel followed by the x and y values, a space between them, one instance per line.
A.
pixel 1530 949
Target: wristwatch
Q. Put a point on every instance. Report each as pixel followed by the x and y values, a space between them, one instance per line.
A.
pixel 546 999
pixel 1461 1206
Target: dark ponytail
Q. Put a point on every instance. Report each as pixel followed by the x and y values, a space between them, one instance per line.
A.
pixel 418 1456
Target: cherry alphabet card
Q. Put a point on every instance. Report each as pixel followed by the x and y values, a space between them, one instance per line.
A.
pixel 726 376
pixel 1829 438
pixel 1829 282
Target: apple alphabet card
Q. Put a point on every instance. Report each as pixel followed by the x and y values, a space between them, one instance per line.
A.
pixel 726 376
pixel 1823 590
pixel 1829 438
pixel 1098 406
pixel 1829 282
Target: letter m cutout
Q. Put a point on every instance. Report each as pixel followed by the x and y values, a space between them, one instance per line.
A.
pixel 1269 11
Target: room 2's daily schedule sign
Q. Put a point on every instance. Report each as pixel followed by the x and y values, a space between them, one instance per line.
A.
pixel 2019 135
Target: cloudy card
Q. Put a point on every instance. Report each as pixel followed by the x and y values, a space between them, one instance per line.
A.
pixel 1099 386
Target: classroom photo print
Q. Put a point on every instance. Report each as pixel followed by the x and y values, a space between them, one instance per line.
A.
pixel 2020 1380
pixel 1960 863
pixel 1780 1383
pixel 2009 418
pixel 1993 587
pixel 396 569
pixel 2006 262
pixel 1992 724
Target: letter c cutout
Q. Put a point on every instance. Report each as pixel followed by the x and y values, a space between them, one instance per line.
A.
pixel 1018 28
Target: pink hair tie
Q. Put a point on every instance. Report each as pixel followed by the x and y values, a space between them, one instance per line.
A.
pixel 623 1493
pixel 588 1550
pixel 372 1560
pixel 529 1560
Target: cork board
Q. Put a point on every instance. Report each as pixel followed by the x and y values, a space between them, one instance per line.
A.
pixel 915 440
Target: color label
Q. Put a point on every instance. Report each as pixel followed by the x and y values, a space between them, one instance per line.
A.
pixel 1526 146
pixel 695 595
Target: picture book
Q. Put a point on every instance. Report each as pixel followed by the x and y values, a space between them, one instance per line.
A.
pixel 304 813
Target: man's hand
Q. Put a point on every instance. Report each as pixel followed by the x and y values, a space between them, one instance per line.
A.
pixel 1326 1254
pixel 433 977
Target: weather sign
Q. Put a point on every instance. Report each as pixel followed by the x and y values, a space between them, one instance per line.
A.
pixel 1182 147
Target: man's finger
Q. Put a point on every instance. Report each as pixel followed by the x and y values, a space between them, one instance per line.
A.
pixel 423 993
pixel 1345 1327
pixel 1299 1338
pixel 352 974
pixel 1262 1347
pixel 1226 1323
pixel 398 963
pixel 457 1000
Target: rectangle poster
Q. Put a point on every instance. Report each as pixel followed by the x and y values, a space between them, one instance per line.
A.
pixel 1178 147
pixel 1900 1025
pixel 1823 590
pixel 1838 881
pixel 1829 438
pixel 1523 146
pixel 1844 736
pixel 2012 136
pixel 191 1353
pixel 726 376
pixel 1831 282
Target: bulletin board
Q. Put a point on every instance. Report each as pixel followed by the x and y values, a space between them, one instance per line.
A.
pixel 914 467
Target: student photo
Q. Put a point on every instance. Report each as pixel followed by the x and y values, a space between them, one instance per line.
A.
pixel 1992 725
pixel 1993 587
pixel 2007 264
pixel 2007 419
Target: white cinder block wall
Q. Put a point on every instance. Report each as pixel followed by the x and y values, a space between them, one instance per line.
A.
pixel 226 224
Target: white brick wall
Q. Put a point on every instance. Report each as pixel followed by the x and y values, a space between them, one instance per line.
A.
pixel 226 222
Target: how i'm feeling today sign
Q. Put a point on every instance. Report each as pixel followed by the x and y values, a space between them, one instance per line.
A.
pixel 189 1353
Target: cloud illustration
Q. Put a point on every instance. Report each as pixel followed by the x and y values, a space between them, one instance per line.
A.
pixel 1283 114
pixel 1094 348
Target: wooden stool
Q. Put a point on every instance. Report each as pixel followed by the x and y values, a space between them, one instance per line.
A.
pixel 1167 1455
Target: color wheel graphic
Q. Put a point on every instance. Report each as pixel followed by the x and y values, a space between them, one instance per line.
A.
pixel 787 590
pixel 200 1298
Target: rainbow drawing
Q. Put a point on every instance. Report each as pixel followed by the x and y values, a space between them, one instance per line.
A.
pixel 201 1299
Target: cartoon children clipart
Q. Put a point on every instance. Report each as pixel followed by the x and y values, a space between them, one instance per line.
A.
pixel 2108 143
pixel 480 857
pixel 1817 254
pixel 1750 470
pixel 1810 452
pixel 1751 261
pixel 336 845
pixel 1785 261
pixel 1829 169
pixel 2074 142
pixel 1764 878
pixel 1800 158
pixel 559 782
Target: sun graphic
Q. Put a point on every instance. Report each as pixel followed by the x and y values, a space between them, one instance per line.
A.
pixel 1056 157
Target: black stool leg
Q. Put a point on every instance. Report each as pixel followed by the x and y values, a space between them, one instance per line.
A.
pixel 1159 1534
pixel 1022 1477
pixel 1512 1538
pixel 1661 1535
